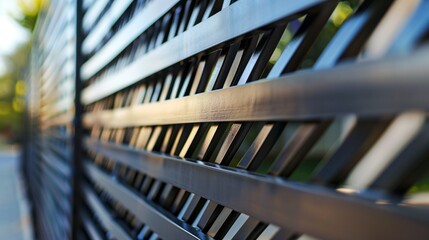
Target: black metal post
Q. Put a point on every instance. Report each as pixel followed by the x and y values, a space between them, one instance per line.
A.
pixel 77 137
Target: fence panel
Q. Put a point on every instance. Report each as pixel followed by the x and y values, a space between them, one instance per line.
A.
pixel 245 119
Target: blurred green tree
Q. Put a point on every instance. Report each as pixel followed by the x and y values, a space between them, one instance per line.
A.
pixel 12 85
pixel 30 10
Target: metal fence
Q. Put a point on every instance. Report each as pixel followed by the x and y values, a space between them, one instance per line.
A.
pixel 223 119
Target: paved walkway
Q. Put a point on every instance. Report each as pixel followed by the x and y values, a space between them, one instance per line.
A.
pixel 15 221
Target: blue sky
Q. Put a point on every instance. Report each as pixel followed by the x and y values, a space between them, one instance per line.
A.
pixel 11 33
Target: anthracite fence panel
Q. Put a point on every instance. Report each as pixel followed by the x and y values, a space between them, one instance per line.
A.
pixel 223 119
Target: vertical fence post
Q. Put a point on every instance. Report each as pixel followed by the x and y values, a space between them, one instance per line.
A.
pixel 77 136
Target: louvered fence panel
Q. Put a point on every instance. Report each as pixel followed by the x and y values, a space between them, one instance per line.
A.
pixel 48 165
pixel 255 119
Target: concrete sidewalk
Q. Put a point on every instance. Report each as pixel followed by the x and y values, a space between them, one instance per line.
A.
pixel 15 220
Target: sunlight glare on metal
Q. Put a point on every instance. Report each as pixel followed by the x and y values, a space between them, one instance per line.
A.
pixel 347 190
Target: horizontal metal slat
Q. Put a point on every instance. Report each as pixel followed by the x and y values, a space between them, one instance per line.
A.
pixel 60 219
pixel 158 220
pixel 138 24
pixel 254 194
pixel 63 153
pixel 198 39
pixel 54 192
pixel 57 164
pixel 58 107
pixel 90 228
pixel 66 137
pixel 87 3
pixel 103 214
pixel 57 180
pixel 363 89
pixel 93 12
pixel 39 215
pixel 59 120
pixel 104 25
pixel 54 91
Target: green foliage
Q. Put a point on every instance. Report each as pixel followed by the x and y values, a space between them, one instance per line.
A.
pixel 28 22
pixel 12 86
pixel 12 92
pixel 30 10
pixel 342 12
